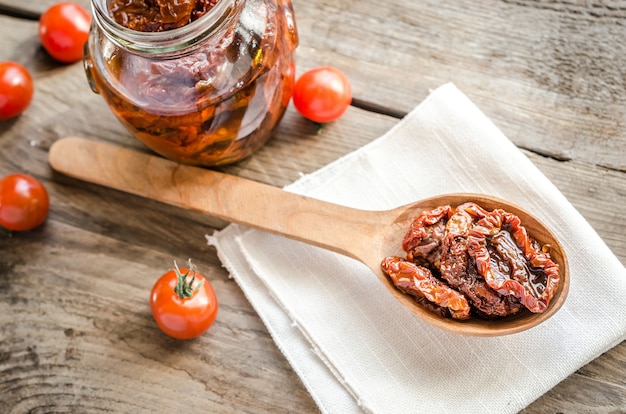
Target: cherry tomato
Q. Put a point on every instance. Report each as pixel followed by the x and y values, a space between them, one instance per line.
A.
pixel 63 31
pixel 16 89
pixel 183 303
pixel 322 94
pixel 24 202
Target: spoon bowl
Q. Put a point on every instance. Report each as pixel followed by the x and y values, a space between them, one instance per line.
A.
pixel 391 242
pixel 368 236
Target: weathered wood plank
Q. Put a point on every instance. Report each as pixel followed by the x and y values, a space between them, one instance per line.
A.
pixel 597 193
pixel 580 394
pixel 550 76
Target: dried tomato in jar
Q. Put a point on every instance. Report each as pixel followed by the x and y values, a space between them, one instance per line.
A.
pixel 202 82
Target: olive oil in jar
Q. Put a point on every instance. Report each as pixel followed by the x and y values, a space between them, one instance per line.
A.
pixel 200 82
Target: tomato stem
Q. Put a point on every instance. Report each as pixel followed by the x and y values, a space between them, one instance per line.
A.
pixel 185 289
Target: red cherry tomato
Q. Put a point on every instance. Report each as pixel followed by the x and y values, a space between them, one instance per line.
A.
pixel 183 303
pixel 322 94
pixel 24 202
pixel 63 31
pixel 16 89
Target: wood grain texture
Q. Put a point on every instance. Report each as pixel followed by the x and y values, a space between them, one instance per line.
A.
pixel 75 330
pixel 550 76
pixel 82 333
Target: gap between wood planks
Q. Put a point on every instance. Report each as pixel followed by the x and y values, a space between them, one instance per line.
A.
pixel 19 13
pixel 379 109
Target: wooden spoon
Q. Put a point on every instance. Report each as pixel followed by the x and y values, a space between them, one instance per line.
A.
pixel 368 236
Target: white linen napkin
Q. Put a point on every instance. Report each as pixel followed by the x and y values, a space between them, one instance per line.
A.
pixel 355 348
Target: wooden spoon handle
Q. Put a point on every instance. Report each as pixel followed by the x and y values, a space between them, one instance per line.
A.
pixel 224 196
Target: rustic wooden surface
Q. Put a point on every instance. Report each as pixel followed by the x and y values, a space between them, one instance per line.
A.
pixel 76 333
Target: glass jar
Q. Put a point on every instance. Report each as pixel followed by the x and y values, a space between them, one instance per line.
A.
pixel 208 93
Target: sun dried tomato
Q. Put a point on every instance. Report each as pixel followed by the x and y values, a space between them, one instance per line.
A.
pixel 158 15
pixel 511 262
pixel 458 270
pixel 423 240
pixel 419 281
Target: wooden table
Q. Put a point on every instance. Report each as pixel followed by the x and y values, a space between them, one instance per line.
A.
pixel 76 334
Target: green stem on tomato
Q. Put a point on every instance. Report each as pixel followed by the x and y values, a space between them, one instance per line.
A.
pixel 185 289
